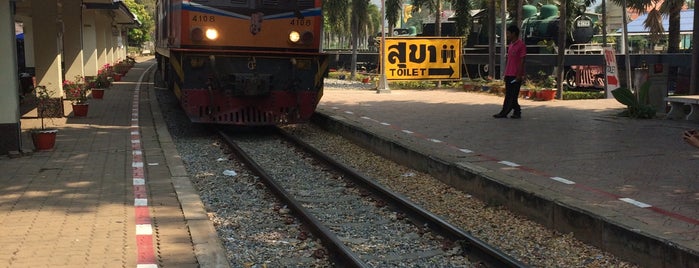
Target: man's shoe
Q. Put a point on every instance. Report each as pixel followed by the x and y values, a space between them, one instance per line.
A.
pixel 516 116
pixel 500 116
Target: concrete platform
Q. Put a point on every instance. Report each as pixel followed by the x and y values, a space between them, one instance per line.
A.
pixel 625 185
pixel 112 193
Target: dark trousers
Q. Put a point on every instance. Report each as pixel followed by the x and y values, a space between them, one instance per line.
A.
pixel 511 94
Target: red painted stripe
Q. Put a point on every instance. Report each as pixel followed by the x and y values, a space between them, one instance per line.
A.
pixel 146 254
pixel 142 215
pixel 139 191
pixel 675 215
pixel 138 172
pixel 138 158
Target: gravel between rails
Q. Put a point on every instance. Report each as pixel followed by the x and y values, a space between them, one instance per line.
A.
pixel 252 227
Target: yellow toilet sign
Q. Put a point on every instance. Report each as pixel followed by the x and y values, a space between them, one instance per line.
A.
pixel 423 58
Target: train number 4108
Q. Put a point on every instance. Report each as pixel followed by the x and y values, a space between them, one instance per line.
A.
pixel 301 22
pixel 203 18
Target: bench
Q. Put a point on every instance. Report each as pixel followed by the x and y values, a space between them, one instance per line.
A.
pixel 677 104
pixel 145 52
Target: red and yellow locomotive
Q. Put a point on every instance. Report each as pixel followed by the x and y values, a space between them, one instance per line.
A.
pixel 242 62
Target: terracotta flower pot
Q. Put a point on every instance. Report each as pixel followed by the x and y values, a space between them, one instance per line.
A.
pixel 44 139
pixel 365 80
pixel 546 94
pixel 97 93
pixel 524 93
pixel 80 109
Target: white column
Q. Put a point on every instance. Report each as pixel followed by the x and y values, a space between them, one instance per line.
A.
pixel 46 47
pixel 90 43
pixel 101 34
pixel 110 41
pixel 9 84
pixel 72 38
pixel 28 42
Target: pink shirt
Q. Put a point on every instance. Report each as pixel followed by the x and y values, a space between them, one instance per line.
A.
pixel 515 56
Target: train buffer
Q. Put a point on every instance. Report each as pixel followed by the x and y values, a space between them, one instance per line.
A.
pixel 584 49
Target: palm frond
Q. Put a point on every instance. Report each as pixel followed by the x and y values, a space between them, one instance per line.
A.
pixel 654 24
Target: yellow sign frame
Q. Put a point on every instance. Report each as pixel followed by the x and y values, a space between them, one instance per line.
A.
pixel 423 58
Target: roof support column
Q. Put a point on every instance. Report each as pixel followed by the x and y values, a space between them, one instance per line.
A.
pixel 46 49
pixel 121 42
pixel 101 37
pixel 110 41
pixel 72 40
pixel 89 43
pixel 10 129
pixel 28 24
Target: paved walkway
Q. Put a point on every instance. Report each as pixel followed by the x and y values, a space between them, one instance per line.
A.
pixel 112 193
pixel 638 174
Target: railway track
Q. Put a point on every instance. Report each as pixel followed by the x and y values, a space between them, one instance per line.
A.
pixel 360 222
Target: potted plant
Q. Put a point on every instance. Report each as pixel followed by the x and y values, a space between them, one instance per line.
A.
pixel 44 138
pixel 122 68
pixel 527 89
pixel 76 93
pixel 98 84
pixel 548 87
pixel 468 84
pixel 497 86
pixel 485 85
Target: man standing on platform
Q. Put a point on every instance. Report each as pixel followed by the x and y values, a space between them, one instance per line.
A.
pixel 514 73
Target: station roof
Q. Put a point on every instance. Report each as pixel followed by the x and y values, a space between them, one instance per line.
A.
pixel 122 14
pixel 686 23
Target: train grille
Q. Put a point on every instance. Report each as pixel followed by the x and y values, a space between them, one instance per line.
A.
pixel 249 116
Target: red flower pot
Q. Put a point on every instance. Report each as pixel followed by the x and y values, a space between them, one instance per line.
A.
pixel 524 93
pixel 80 109
pixel 44 140
pixel 546 94
pixel 97 93
pixel 117 77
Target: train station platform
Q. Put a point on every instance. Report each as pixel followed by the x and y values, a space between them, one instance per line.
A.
pixel 112 192
pixel 627 186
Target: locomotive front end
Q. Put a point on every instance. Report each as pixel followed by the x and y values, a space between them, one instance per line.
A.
pixel 248 62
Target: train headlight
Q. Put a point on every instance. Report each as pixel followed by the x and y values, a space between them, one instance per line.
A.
pixel 197 34
pixel 294 36
pixel 307 38
pixel 211 34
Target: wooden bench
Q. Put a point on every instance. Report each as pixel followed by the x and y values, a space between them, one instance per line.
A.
pixel 677 104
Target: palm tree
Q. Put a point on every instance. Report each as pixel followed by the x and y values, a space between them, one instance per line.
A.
pixel 655 10
pixel 462 16
pixel 358 23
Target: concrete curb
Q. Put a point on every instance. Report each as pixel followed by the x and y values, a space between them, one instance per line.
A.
pixel 207 245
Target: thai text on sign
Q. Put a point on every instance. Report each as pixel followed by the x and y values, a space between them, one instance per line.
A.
pixel 423 58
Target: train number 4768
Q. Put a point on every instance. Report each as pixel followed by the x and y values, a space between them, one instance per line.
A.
pixel 203 18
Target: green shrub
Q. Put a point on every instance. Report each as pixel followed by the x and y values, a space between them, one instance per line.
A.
pixel 637 107
pixel 580 95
